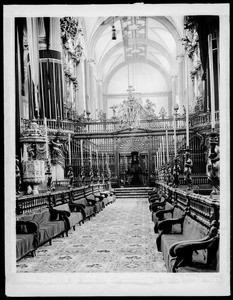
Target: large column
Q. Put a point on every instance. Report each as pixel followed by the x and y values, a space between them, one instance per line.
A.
pixel 170 104
pixel 100 95
pixel 187 100
pixel 105 108
pixel 81 90
pixel 211 68
pixel 173 105
pixel 180 90
pixel 55 44
pixel 190 84
pixel 174 89
pixel 93 95
pixel 87 85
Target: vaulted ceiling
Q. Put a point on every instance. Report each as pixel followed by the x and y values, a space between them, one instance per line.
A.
pixel 153 41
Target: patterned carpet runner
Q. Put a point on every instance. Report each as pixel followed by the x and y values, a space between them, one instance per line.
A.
pixel 118 239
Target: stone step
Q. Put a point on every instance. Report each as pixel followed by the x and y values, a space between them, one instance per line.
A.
pixel 132 195
pixel 132 192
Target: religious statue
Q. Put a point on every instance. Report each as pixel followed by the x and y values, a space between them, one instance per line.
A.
pixel 176 173
pixel 29 190
pixel 82 174
pixel 49 178
pixel 188 169
pixel 135 170
pixel 169 174
pixel 213 164
pixel 31 150
pixel 70 175
pixel 57 147
pixel 17 176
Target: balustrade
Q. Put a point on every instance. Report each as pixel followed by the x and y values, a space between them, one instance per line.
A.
pixel 30 203
pixel 96 126
pixel 51 124
pixel 203 118
pixel 201 208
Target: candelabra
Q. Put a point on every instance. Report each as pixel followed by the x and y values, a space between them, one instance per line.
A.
pixel 176 108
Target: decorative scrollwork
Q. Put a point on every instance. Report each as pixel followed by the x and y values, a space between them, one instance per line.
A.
pixel 69 28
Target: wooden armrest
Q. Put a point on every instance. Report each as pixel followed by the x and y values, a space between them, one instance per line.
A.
pixel 166 225
pixel 183 251
pixel 105 195
pixel 155 206
pixel 157 200
pixel 100 197
pixel 160 213
pixel 31 227
pixel 154 198
pixel 61 213
pixel 160 203
pixel 80 208
pixel 77 205
pixel 91 201
pixel 182 248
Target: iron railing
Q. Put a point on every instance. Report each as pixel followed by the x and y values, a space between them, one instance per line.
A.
pixel 112 125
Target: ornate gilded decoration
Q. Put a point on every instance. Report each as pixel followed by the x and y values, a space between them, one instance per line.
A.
pixel 69 27
pixel 140 144
pixel 162 112
pixel 33 133
pixel 35 140
pixel 131 111
pixel 58 150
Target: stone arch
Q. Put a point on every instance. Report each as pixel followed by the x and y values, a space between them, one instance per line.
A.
pixel 147 42
pixel 163 20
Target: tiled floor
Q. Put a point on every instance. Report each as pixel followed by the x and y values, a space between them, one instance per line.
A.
pixel 118 239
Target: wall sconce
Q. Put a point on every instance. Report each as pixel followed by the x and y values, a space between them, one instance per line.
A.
pixel 113 33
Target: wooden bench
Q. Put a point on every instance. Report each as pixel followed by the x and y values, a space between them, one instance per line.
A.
pixel 89 195
pixel 72 214
pixel 78 199
pixel 169 208
pixel 106 196
pixel 26 241
pixel 189 240
pixel 38 228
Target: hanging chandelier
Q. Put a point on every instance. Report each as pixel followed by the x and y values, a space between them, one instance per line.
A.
pixel 113 31
pixel 131 112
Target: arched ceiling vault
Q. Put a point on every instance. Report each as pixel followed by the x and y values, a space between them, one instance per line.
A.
pixel 151 63
pixel 153 44
pixel 150 35
pixel 103 24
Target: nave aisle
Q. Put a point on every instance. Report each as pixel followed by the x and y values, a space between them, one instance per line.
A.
pixel 118 239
